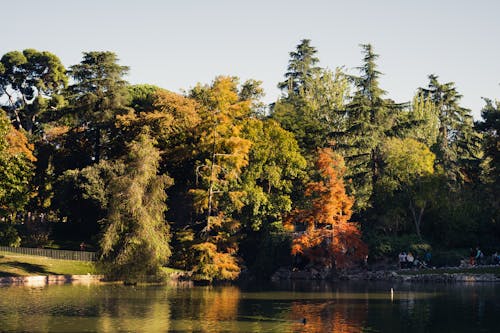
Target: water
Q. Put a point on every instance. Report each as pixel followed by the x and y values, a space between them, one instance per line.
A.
pixel 341 307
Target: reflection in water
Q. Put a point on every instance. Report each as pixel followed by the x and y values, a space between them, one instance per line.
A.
pixel 329 316
pixel 335 308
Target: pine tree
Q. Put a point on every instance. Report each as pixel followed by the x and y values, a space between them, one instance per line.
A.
pixel 301 66
pixel 371 119
pixel 312 101
pixel 97 95
pixel 458 144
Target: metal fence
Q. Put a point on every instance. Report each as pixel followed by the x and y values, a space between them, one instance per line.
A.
pixel 50 253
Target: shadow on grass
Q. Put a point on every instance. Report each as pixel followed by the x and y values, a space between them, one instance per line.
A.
pixel 29 268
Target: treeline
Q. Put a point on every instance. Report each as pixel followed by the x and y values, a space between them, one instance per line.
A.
pixel 216 182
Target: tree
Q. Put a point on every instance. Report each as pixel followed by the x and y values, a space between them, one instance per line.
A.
pixel 371 119
pixel 16 168
pixel 315 115
pixel 458 145
pixel 301 66
pixel 223 153
pixel 32 81
pixel 97 95
pixel 135 239
pixel 275 166
pixel 423 115
pixel 81 196
pixel 329 239
pixel 490 127
pixel 409 166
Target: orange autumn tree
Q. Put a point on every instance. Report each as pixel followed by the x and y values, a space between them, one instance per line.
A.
pixel 329 239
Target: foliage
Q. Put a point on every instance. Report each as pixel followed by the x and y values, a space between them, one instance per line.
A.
pixel 329 237
pixel 370 120
pixel 223 153
pixel 135 238
pixel 300 67
pixel 424 115
pixel 82 195
pixel 313 100
pixel 97 95
pixel 16 168
pixel 275 167
pixel 490 128
pixel 421 172
pixel 9 236
pixel 32 81
pixel 408 176
pixel 213 264
pixel 458 145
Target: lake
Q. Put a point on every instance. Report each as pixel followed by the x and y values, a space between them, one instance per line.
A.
pixel 324 307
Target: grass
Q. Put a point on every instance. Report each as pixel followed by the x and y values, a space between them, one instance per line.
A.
pixel 23 265
pixel 471 270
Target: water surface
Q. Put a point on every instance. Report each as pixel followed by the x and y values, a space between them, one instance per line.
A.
pixel 324 307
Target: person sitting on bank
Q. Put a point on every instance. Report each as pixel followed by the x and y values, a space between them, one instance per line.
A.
pixel 410 259
pixel 402 259
pixel 495 258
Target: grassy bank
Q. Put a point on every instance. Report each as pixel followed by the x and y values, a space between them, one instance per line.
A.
pixel 23 265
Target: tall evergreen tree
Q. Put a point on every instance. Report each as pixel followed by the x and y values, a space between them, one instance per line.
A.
pixel 301 66
pixel 312 100
pixel 97 95
pixel 371 119
pixel 458 144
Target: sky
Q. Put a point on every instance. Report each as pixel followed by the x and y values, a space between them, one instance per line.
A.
pixel 176 44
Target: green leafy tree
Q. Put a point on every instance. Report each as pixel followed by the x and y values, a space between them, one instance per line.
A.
pixel 423 115
pixel 275 166
pixel 275 172
pixel 32 81
pixel 135 239
pixel 80 196
pixel 408 176
pixel 16 168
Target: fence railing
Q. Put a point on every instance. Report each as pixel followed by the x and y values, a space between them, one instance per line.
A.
pixel 56 254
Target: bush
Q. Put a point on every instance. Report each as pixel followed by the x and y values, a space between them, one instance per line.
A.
pixel 9 236
pixel 389 247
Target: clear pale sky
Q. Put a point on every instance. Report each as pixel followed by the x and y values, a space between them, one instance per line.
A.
pixel 175 44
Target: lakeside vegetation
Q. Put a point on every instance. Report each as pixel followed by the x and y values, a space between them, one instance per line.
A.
pixel 215 182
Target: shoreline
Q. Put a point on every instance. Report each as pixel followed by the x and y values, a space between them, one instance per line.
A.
pixel 394 276
pixel 41 280
pixel 444 274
